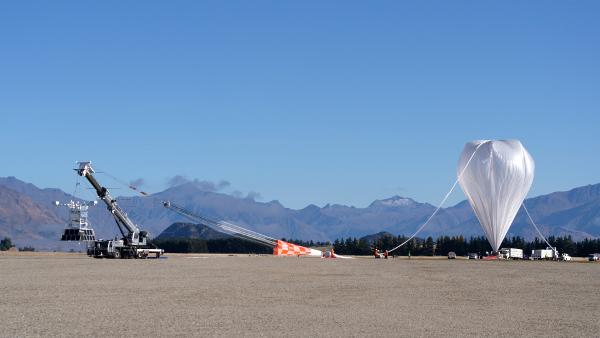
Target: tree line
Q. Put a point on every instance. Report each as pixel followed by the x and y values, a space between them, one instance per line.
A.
pixel 461 245
pixel 225 245
pixel 361 246
pixel 6 244
pixel 231 245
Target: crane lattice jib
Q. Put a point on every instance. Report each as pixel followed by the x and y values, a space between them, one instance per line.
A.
pixel 222 226
pixel 192 216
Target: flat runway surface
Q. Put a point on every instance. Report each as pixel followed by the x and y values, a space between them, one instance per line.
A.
pixel 212 295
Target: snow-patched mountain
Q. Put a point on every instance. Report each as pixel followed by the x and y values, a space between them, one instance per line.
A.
pixel 392 202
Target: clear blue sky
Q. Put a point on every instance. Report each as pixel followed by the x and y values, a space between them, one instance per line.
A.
pixel 303 101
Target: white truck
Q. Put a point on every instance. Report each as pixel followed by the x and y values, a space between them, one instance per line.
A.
pixel 565 257
pixel 548 253
pixel 511 253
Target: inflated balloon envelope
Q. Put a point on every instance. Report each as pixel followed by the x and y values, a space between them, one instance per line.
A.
pixel 495 175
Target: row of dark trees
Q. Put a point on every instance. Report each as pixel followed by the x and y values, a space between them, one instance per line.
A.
pixel 461 246
pixel 228 245
pixel 354 246
pixel 6 244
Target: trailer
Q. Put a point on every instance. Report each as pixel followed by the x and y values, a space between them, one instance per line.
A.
pixel 510 253
pixel 548 253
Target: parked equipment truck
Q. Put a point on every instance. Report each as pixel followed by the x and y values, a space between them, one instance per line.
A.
pixel 134 243
pixel 548 253
pixel 510 253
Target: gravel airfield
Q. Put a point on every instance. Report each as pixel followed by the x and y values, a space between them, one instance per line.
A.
pixel 221 295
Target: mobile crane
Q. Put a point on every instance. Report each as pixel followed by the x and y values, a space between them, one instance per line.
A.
pixel 134 243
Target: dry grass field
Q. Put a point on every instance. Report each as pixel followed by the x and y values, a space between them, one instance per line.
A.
pixel 232 296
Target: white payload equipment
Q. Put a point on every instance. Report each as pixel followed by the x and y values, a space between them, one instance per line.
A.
pixel 78 228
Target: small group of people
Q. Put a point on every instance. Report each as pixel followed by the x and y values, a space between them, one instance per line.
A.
pixel 328 254
pixel 378 254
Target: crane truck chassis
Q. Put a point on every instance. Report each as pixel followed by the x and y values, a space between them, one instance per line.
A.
pixel 118 249
pixel 134 242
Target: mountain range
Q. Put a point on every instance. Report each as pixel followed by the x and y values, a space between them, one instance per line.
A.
pixel 29 217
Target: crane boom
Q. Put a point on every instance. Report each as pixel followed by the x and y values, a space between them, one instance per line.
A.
pixel 134 242
pixel 86 170
pixel 190 215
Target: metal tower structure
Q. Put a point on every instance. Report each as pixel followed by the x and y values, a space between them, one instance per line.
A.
pixel 78 228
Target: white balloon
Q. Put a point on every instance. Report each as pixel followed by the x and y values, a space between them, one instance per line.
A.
pixel 496 181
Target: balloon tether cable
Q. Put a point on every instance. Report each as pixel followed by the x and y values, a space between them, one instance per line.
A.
pixel 442 202
pixel 536 227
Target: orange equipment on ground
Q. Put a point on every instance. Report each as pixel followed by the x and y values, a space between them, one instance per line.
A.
pixel 288 249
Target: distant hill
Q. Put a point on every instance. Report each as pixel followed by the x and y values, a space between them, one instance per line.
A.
pixel 28 216
pixel 190 230
pixel 23 219
pixel 375 237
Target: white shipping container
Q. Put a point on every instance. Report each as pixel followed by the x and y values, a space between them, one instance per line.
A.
pixel 541 254
pixel 511 253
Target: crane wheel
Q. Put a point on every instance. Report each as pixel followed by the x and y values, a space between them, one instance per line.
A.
pixel 117 254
